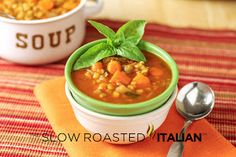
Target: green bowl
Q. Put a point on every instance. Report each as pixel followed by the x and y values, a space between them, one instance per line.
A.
pixel 122 109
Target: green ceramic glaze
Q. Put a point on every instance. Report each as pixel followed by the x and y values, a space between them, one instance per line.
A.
pixel 122 109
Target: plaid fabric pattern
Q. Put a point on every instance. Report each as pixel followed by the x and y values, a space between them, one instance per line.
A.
pixel 202 55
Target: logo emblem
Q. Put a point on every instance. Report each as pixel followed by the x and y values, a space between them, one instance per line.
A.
pixel 150 131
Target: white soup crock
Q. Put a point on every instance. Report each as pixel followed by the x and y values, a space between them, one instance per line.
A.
pixel 44 41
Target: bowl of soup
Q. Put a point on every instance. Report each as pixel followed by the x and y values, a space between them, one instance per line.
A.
pixel 42 31
pixel 119 86
pixel 120 129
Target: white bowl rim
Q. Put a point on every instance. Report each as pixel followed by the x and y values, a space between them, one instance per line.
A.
pixel 48 20
pixel 169 103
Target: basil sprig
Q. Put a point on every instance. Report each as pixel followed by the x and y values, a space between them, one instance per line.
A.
pixel 122 43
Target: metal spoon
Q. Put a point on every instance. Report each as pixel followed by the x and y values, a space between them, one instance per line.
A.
pixel 194 101
pixel 6 15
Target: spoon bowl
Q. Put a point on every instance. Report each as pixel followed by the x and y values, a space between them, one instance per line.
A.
pixel 195 101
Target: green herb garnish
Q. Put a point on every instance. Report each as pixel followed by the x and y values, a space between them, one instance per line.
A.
pixel 132 95
pixel 122 43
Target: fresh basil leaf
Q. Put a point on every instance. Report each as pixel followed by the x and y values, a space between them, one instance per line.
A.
pixel 130 51
pixel 93 55
pixel 119 39
pixel 120 36
pixel 122 43
pixel 103 29
pixel 133 30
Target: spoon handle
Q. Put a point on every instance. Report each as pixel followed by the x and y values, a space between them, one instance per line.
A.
pixel 176 149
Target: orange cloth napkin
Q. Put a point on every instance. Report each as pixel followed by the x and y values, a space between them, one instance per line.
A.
pixel 52 98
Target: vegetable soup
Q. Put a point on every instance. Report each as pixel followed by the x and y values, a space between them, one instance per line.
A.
pixel 36 9
pixel 120 80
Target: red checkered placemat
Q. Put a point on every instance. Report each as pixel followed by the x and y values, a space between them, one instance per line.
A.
pixel 201 55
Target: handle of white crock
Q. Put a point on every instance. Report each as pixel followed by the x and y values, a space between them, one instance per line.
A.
pixel 91 10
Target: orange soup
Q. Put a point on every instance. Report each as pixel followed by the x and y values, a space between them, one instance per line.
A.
pixel 36 9
pixel 124 81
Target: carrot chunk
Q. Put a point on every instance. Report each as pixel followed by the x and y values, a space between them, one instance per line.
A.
pixel 156 72
pixel 97 66
pixel 113 66
pixel 46 4
pixel 120 77
pixel 141 81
